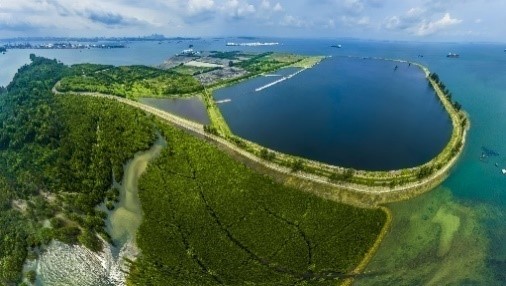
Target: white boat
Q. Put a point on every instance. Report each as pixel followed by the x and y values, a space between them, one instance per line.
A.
pixel 504 171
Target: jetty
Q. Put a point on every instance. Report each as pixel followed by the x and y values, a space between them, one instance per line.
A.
pixel 223 100
pixel 279 80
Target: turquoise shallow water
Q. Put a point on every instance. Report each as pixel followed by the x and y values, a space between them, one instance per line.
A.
pixel 454 234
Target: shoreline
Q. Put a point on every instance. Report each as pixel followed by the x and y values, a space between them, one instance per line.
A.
pixel 372 251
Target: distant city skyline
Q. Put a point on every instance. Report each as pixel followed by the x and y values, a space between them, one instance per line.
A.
pixel 409 20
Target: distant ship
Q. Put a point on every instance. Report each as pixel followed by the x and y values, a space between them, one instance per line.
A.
pixel 336 46
pixel 452 55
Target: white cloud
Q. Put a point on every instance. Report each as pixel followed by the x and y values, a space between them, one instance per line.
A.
pixel 266 5
pixel 198 6
pixel 355 21
pixel 238 9
pixel 292 21
pixel 329 24
pixel 431 27
pixel 432 19
pixel 354 6
pixel 420 22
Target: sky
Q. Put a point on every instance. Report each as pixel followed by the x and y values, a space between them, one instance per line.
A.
pixel 404 20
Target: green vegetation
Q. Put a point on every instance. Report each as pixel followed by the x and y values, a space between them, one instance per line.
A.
pixel 233 55
pixel 268 62
pixel 58 156
pixel 191 70
pixel 219 125
pixel 446 92
pixel 128 81
pixel 209 220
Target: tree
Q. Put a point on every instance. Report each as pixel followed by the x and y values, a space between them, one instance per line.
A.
pixel 424 172
pixel 457 106
pixel 348 174
pixel 297 165
pixel 435 77
pixel 267 155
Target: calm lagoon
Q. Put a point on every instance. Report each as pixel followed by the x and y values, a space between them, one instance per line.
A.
pixel 351 112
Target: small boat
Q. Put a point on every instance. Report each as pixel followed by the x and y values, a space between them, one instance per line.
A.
pixel 336 46
pixel 504 171
pixel 452 55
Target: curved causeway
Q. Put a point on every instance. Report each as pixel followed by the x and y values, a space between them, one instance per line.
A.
pixel 364 188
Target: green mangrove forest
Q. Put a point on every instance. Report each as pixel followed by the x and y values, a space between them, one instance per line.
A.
pixel 208 219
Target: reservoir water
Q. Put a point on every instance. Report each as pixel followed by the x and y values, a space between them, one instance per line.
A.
pixel 352 112
pixel 190 108
pixel 455 234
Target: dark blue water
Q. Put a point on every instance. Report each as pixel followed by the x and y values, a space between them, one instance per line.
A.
pixel 453 235
pixel 350 112
pixel 189 108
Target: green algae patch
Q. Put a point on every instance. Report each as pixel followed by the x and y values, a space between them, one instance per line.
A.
pixel 449 224
pixel 434 240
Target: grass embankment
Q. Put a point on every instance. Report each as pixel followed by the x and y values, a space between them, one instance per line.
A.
pixel 219 125
pixel 210 220
pixel 379 186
